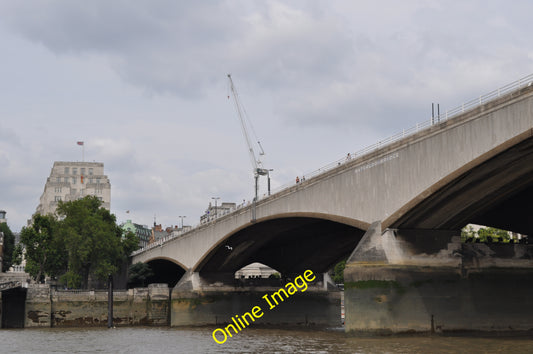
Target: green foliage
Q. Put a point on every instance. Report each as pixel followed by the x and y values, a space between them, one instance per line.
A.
pixel 45 254
pixel 92 239
pixel 484 234
pixel 338 275
pixel 274 276
pixel 17 255
pixel 139 273
pixel 71 279
pixel 130 242
pixel 84 243
pixel 467 232
pixel 9 245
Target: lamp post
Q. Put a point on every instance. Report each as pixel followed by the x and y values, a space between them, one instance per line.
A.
pixel 181 217
pixel 268 176
pixel 216 208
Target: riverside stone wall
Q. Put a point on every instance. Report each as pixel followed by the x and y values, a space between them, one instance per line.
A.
pixel 141 306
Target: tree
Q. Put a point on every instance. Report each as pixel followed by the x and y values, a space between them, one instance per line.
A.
pixel 338 276
pixel 130 242
pixel 93 241
pixel 17 255
pixel 487 233
pixel 484 234
pixel 45 253
pixel 139 273
pixel 9 245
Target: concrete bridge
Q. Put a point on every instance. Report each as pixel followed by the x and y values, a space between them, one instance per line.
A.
pixel 416 192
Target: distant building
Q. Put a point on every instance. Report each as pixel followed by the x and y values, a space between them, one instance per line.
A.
pixel 142 232
pixel 254 270
pixel 157 233
pixel 74 180
pixel 217 211
pixel 3 216
pixel 175 231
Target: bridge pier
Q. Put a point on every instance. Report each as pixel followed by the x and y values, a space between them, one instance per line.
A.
pixel 199 300
pixel 395 282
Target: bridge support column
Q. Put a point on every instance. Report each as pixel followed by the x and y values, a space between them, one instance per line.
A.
pixel 198 300
pixel 428 281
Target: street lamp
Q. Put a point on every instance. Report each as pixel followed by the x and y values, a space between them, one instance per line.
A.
pixel 216 209
pixel 268 175
pixel 181 217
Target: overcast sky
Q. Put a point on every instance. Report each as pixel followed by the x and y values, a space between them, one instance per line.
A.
pixel 144 85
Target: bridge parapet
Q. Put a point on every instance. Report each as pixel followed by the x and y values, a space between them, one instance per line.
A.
pixel 396 173
pixel 10 285
pixel 423 187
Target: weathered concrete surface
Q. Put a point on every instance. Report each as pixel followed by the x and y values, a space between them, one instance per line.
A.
pixel 389 183
pixel 38 307
pixel 477 166
pixel 393 288
pixel 141 306
pixel 197 301
pixel 311 308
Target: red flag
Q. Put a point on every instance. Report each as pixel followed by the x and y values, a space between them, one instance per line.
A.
pixel 80 142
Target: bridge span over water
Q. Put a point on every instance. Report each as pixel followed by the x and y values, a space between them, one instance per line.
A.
pixel 475 166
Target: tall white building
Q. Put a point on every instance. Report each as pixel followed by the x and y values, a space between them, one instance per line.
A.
pixel 74 180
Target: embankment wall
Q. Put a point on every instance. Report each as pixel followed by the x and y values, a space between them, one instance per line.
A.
pixel 46 307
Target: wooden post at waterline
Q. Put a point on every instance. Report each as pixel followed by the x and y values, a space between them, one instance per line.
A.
pixel 110 301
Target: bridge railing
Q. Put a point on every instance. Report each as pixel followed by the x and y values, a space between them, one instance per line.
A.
pixel 10 285
pixel 448 114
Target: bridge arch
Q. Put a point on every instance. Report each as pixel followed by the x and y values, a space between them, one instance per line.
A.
pixel 289 243
pixel 166 270
pixel 493 190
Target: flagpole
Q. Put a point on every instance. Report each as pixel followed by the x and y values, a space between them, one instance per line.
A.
pixel 82 143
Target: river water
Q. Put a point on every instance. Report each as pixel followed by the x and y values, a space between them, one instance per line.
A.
pixel 250 340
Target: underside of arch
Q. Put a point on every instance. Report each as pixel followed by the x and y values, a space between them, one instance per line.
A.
pixel 165 271
pixel 290 244
pixel 496 192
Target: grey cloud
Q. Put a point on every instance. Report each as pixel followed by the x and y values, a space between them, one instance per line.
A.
pixel 319 78
pixel 185 47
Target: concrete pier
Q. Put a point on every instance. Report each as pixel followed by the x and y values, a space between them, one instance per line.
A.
pixel 392 287
pixel 196 302
pixel 218 307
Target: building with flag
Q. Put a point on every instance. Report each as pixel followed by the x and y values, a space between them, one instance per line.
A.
pixel 74 180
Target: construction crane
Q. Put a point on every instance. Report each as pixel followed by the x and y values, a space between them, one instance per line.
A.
pixel 257 165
